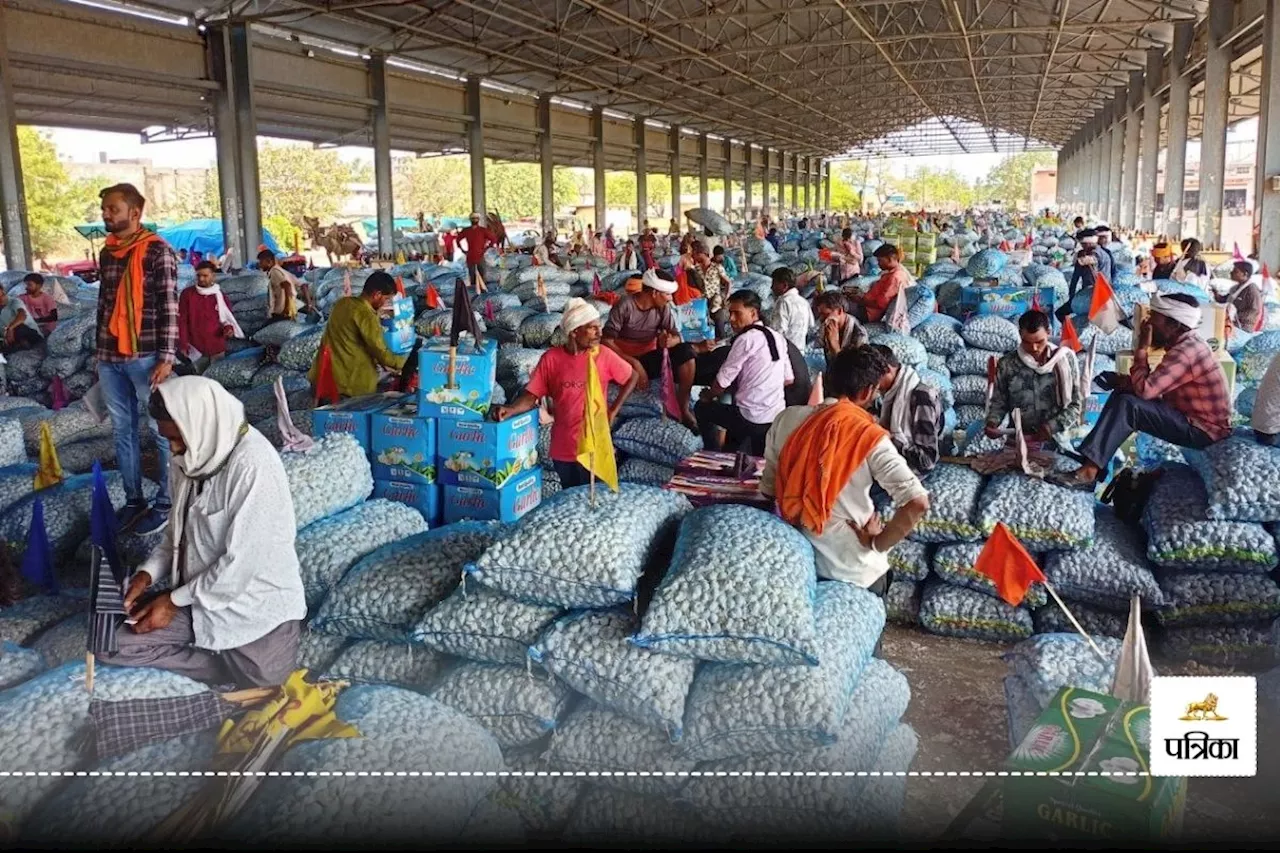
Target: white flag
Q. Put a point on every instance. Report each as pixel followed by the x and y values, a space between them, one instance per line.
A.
pixel 1134 671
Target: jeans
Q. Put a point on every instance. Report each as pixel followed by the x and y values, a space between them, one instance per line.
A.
pixel 712 415
pixel 571 474
pixel 1126 413
pixel 1267 439
pixel 126 385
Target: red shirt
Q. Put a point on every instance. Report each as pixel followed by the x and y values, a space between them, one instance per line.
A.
pixel 1190 379
pixel 883 292
pixel 477 241
pixel 563 378
pixel 199 324
pixel 449 239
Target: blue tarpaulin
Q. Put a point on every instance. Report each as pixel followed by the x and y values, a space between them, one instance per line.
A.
pixel 205 236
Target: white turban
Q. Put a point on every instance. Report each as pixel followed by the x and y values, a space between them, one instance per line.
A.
pixel 1091 240
pixel 1180 312
pixel 661 285
pixel 578 312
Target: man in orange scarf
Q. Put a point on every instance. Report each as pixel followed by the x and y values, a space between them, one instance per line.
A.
pixel 820 464
pixel 137 342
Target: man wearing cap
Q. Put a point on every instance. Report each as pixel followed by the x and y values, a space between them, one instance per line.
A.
pixel 641 325
pixel 355 340
pixel 474 240
pixel 1183 400
pixel 561 374
pixel 1106 262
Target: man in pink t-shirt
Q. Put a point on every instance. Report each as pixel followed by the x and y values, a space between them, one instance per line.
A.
pixel 561 374
pixel 42 307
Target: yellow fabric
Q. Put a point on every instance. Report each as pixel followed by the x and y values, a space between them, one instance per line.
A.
pixel 354 336
pixel 819 458
pixel 305 709
pixel 595 445
pixel 125 322
pixel 50 471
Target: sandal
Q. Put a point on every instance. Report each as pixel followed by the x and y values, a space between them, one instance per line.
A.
pixel 1070 481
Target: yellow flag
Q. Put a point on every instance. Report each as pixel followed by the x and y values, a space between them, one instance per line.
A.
pixel 50 471
pixel 400 258
pixel 595 445
pixel 303 709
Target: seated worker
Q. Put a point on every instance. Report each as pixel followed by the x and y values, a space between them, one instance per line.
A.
pixel 546 254
pixel 1183 400
pixel 641 325
pixel 355 340
pixel 232 615
pixel 20 329
pixel 725 262
pixel 791 312
pixel 911 412
pixel 774 238
pixel 1164 261
pixel 876 302
pixel 627 258
pixel 42 307
pixel 1039 378
pixel 838 329
pixel 820 465
pixel 758 369
pixel 1244 299
pixel 561 374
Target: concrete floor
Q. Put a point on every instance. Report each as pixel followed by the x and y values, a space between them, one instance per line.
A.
pixel 958 710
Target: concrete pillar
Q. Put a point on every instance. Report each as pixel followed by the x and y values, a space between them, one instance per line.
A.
pixel 1175 159
pixel 808 185
pixel 475 146
pixel 217 41
pixel 13 201
pixel 795 182
pixel 727 158
pixel 642 175
pixel 704 186
pixel 382 154
pixel 746 184
pixel 1132 140
pixel 240 57
pixel 826 186
pixel 1269 145
pixel 1150 141
pixel 1115 160
pixel 675 173
pixel 597 162
pixel 546 165
pixel 1213 142
pixel 782 167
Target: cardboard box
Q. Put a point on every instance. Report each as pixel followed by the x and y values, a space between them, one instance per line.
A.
pixel 475 373
pixel 517 497
pixel 424 497
pixel 397 327
pixel 1124 361
pixel 693 321
pixel 486 454
pixel 1084 732
pixel 403 444
pixel 1008 302
pixel 1093 405
pixel 1213 324
pixel 352 416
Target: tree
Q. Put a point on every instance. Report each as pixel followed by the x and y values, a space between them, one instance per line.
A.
pixel 298 181
pixel 869 178
pixel 1010 180
pixel 55 203
pixel 435 186
pixel 938 189
pixel 191 200
pixel 514 190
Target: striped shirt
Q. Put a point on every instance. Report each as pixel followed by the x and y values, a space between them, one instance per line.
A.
pixel 159 335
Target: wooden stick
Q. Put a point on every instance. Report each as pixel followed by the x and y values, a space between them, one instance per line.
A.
pixel 591 486
pixel 451 378
pixel 88 671
pixel 1077 625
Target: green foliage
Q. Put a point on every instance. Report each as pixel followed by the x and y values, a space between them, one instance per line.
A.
pixel 55 203
pixel 938 189
pixel 1010 180
pixel 435 186
pixel 514 190
pixel 281 229
pixel 298 181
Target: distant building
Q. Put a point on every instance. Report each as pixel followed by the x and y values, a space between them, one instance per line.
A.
pixel 165 189
pixel 1044 187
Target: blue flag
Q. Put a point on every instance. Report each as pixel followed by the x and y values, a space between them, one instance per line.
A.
pixel 37 562
pixel 103 525
pixel 106 573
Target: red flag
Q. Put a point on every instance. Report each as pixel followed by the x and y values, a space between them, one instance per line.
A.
pixel 489 313
pixel 1069 336
pixel 1103 311
pixel 684 293
pixel 399 285
pixel 1007 563
pixel 59 393
pixel 1236 254
pixel 670 402
pixel 433 297
pixel 326 385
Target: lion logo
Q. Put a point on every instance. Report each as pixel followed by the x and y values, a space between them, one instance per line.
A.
pixel 1206 710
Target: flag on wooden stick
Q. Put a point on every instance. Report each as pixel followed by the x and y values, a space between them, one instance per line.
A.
pixel 1104 312
pixel 106 577
pixel 37 560
pixel 50 471
pixel 595 444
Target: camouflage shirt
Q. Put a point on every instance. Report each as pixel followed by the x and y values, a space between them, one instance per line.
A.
pixel 1020 387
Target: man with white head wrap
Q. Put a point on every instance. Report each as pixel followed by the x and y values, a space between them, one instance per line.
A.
pixel 234 604
pixel 561 374
pixel 1183 400
pixel 641 325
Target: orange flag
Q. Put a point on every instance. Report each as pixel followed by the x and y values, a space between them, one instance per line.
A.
pixel 433 297
pixel 1103 311
pixel 1069 336
pixel 399 286
pixel 1007 563
pixel 684 293
pixel 326 385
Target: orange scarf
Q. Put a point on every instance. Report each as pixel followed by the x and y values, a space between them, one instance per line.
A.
pixel 126 317
pixel 818 459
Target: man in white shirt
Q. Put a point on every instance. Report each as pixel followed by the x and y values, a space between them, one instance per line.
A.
pixel 233 610
pixel 791 312
pixel 809 445
pixel 758 369
pixel 282 288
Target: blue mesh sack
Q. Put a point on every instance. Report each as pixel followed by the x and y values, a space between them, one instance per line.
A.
pixel 940 334
pixel 955 565
pixel 1043 516
pixel 1180 536
pixel 909 560
pixel 1241 478
pixel 480 624
pixel 1048 662
pixel 1242 645
pixel 989 332
pixel 1098 622
pixel 954 611
pixel 658 440
pixel 908 349
pixel 1217 598
pixel 971 362
pixel 902 602
pixel 516 707
pixel 1108 572
pixel 987 263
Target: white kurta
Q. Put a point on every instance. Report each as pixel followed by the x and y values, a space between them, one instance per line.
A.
pixel 242 578
pixel 840 554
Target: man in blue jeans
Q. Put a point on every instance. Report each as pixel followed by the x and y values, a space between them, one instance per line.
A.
pixel 137 343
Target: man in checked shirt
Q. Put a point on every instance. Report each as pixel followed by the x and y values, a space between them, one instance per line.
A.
pixel 1182 400
pixel 137 342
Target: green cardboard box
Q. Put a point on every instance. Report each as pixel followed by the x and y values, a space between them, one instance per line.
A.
pixel 1085 732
